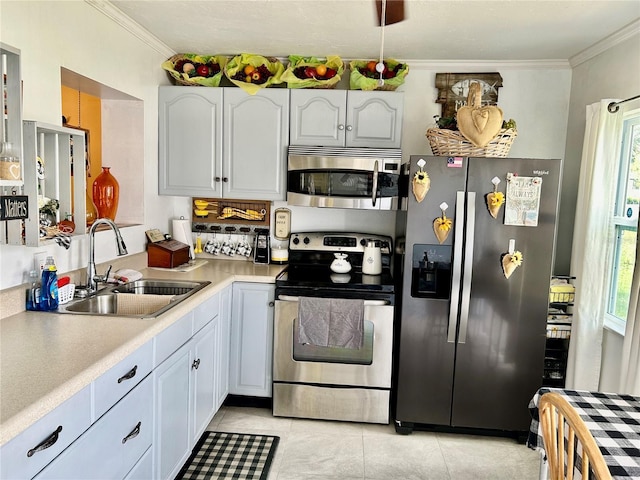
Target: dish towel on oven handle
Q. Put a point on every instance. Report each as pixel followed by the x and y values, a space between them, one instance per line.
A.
pixel 331 322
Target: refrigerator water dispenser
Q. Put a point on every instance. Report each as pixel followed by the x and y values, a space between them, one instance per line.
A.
pixel 431 276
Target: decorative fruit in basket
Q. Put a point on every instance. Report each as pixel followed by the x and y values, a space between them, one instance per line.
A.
pixel 198 69
pixel 321 72
pixel 251 74
pixel 370 71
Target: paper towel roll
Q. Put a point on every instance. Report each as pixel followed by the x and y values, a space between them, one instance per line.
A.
pixel 182 232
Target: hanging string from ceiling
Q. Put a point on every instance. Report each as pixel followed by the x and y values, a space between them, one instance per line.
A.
pixel 380 64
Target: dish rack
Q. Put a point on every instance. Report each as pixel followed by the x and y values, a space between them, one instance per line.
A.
pixel 65 294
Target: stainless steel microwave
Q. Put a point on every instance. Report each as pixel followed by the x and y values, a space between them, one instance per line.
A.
pixel 365 178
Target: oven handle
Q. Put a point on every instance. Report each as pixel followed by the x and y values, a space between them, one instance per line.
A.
pixel 367 303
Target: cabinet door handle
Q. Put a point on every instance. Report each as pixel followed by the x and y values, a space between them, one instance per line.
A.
pixel 134 433
pixel 46 443
pixel 349 128
pixel 217 179
pixel 272 304
pixel 195 364
pixel 225 179
pixel 340 127
pixel 130 374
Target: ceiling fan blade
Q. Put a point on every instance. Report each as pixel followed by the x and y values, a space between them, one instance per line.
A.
pixel 394 13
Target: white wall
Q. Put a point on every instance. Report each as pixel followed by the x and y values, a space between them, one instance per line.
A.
pixel 611 74
pixel 78 37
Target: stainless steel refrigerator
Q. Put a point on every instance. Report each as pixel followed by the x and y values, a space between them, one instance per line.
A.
pixel 471 342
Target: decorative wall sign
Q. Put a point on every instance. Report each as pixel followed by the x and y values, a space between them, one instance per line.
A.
pixel 14 207
pixel 453 89
pixel 523 200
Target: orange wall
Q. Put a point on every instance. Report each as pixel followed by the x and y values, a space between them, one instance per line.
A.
pixel 85 114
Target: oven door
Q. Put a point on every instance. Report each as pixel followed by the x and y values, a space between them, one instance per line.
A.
pixel 369 366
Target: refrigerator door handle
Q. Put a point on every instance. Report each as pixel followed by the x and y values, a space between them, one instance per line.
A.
pixel 457 267
pixel 468 266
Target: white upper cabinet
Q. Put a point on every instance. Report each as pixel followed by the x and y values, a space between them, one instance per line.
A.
pixel 190 141
pixel 256 137
pixel 223 142
pixel 341 118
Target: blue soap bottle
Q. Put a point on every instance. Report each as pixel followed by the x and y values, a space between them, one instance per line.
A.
pixel 49 287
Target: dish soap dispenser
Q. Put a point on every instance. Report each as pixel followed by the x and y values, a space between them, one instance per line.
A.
pixel 49 288
pixel 33 293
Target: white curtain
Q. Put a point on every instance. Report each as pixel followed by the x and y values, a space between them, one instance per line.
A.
pixel 630 371
pixel 592 243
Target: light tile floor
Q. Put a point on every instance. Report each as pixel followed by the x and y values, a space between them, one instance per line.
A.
pixel 324 450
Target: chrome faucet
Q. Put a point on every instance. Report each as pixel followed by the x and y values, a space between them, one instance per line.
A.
pixel 92 277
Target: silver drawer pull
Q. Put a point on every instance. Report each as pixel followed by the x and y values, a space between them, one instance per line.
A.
pixel 46 443
pixel 130 374
pixel 134 433
pixel 367 303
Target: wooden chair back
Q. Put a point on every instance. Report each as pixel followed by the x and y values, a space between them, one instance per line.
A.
pixel 563 432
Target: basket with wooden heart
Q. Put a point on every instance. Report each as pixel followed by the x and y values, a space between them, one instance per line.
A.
pixel 477 131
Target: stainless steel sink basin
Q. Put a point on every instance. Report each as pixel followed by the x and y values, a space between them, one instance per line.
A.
pixel 159 287
pixel 140 299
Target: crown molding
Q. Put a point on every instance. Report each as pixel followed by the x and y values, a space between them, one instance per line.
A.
pixel 605 44
pixel 108 9
pixel 484 65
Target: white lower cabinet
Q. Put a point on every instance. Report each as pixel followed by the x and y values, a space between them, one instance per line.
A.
pixel 223 346
pixel 131 424
pixel 185 397
pixel 251 339
pixel 113 445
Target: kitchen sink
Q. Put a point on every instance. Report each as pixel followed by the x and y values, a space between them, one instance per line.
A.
pixel 159 287
pixel 140 299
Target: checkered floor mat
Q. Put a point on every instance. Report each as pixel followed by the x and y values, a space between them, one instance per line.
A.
pixel 235 456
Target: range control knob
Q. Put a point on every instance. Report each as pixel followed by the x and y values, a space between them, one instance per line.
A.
pixel 363 242
pixel 295 240
pixel 306 240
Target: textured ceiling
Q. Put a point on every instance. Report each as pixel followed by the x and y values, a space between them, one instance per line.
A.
pixel 433 30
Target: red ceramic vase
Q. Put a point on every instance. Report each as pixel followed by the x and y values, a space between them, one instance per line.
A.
pixel 105 194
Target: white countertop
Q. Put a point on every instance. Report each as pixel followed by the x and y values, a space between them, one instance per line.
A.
pixel 46 358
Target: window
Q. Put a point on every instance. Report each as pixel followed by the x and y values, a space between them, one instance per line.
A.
pixel 625 223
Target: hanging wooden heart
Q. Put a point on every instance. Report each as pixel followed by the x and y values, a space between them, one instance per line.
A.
pixel 511 261
pixel 495 200
pixel 420 185
pixel 476 123
pixel 442 227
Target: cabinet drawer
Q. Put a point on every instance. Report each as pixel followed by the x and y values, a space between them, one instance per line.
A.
pixel 72 418
pixel 205 312
pixel 172 338
pixel 115 384
pixel 143 470
pixel 113 445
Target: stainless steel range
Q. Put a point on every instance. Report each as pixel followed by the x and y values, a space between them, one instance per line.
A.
pixel 333 332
